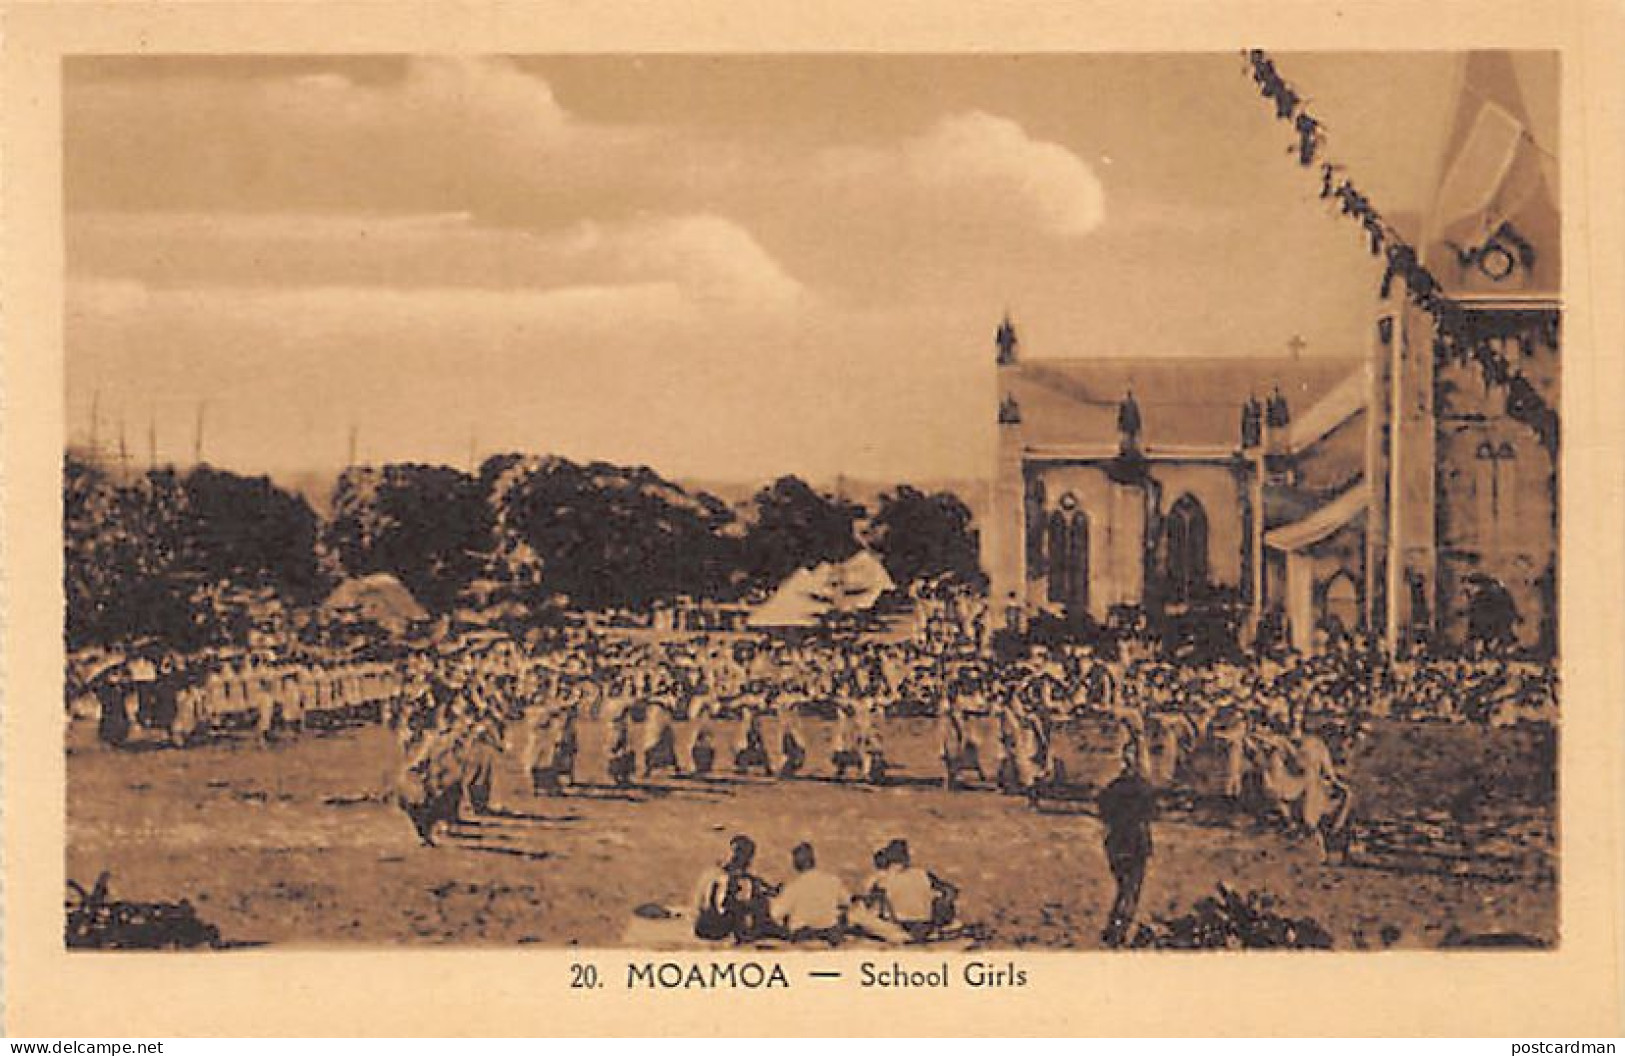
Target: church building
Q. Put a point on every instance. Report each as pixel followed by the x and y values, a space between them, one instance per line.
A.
pixel 1408 489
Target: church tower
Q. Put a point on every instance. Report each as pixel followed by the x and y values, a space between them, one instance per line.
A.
pixel 1466 504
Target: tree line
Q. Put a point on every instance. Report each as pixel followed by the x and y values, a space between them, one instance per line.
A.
pixel 153 556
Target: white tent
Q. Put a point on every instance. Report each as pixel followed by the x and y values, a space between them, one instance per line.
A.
pixel 792 605
pixel 379 597
pixel 855 584
pixel 809 594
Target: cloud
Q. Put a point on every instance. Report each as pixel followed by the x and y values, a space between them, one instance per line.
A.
pixel 445 132
pixel 981 164
pixel 484 136
pixel 712 260
pixel 192 301
pixel 994 155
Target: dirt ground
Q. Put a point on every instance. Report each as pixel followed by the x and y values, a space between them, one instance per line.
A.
pixel 292 843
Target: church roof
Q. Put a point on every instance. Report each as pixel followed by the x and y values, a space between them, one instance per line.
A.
pixel 1184 402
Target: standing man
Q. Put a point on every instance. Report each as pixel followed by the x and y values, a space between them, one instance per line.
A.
pixel 1127 806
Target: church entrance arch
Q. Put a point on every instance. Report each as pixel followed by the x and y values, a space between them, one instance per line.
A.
pixel 1340 603
pixel 1492 614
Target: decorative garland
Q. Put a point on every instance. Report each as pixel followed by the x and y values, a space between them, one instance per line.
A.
pixel 1459 336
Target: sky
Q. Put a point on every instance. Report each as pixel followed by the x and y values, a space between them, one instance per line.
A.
pixel 727 268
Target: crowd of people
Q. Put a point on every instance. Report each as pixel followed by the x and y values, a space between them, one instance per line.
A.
pixel 183 695
pixel 697 706
pixel 1277 731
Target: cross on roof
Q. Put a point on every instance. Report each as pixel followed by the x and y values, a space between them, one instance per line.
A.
pixel 1297 345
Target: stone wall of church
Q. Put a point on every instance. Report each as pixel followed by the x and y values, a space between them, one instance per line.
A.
pixel 1220 491
pixel 1410 438
pixel 1121 518
pixel 1115 516
pixel 1497 499
pixel 1002 543
pixel 1000 538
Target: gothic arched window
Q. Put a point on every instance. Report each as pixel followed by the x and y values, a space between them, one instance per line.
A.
pixel 1058 539
pixel 1033 519
pixel 1067 536
pixel 1185 569
pixel 1078 563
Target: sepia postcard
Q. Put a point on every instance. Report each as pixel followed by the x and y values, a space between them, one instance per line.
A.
pixel 965 519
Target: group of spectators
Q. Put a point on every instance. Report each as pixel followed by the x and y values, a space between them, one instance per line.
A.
pixel 897 902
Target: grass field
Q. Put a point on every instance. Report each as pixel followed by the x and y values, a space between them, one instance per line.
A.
pixel 291 843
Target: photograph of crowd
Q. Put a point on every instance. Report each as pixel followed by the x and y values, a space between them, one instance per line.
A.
pixel 460 549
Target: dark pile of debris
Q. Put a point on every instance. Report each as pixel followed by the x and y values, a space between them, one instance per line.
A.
pixel 97 922
pixel 1231 921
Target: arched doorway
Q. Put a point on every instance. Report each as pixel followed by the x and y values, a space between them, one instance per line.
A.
pixel 1340 604
pixel 1184 568
pixel 1492 614
pixel 1068 539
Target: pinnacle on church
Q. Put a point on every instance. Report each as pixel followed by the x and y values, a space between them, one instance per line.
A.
pixel 1252 422
pixel 1276 412
pixel 1128 421
pixel 1006 341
